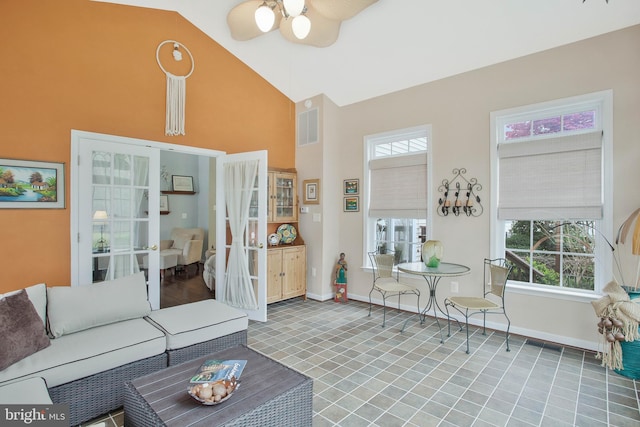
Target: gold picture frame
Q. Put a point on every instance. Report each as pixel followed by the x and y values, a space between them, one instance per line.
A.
pixel 311 189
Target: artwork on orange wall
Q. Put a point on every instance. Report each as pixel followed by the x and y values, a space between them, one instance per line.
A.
pixel 31 185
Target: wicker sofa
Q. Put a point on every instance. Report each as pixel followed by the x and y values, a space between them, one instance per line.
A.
pixel 106 334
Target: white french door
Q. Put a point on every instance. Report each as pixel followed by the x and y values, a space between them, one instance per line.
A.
pixel 115 217
pixel 254 235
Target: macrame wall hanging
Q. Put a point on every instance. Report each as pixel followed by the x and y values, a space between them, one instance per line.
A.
pixel 176 90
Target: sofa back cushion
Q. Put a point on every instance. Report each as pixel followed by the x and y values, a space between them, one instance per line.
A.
pixel 22 331
pixel 73 309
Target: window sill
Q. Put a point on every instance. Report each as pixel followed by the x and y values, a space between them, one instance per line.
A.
pixel 551 292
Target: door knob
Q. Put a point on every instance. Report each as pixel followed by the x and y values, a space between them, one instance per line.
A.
pixel 260 246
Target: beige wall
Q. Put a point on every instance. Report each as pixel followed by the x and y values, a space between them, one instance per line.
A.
pixel 458 109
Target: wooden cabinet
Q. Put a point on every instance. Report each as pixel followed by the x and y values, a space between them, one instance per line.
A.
pixel 283 198
pixel 286 273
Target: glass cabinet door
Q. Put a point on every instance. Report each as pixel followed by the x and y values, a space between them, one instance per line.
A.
pixel 283 197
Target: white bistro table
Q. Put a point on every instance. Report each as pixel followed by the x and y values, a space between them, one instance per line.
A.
pixel 432 275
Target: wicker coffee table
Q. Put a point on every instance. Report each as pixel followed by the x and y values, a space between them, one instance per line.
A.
pixel 270 394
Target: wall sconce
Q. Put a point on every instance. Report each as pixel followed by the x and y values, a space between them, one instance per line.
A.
pixel 464 199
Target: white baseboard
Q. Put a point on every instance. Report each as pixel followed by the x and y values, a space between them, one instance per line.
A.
pixel 477 321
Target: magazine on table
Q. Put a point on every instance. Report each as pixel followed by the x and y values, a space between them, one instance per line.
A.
pixel 213 370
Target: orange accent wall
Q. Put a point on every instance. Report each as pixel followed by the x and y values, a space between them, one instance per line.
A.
pixel 78 64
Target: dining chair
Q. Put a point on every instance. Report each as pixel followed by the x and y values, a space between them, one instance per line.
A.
pixel 496 272
pixel 388 285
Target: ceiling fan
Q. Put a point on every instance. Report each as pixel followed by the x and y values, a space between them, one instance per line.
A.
pixel 311 22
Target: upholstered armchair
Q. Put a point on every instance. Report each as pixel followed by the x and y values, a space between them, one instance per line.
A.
pixel 186 243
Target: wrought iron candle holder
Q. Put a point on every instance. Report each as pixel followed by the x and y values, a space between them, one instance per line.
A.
pixel 464 198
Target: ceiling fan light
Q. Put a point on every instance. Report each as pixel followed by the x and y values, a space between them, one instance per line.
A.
pixel 264 17
pixel 301 25
pixel 293 7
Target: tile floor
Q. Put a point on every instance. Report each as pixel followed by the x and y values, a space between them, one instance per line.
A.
pixel 365 375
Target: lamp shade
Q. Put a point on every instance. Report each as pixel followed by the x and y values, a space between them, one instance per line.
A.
pixel 293 7
pixel 100 215
pixel 264 17
pixel 301 26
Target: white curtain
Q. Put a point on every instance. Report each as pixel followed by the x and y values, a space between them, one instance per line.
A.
pixel 127 264
pixel 239 180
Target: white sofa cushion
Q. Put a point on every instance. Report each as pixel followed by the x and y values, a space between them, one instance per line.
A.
pixel 38 296
pixel 201 321
pixel 88 352
pixel 72 309
pixel 32 391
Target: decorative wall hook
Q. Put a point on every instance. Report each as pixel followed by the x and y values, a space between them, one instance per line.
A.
pixel 464 198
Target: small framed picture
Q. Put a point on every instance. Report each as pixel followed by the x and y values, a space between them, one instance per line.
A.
pixel 351 187
pixel 182 183
pixel 351 204
pixel 164 203
pixel 311 189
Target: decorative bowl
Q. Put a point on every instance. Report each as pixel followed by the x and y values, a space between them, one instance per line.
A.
pixel 215 392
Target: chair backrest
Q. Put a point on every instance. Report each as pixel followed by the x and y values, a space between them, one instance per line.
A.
pixel 382 265
pixel 496 275
pixel 196 233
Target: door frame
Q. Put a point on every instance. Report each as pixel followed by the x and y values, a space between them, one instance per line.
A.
pixel 76 135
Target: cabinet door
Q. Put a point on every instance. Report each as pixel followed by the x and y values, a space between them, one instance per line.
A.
pixel 294 263
pixel 274 275
pixel 284 187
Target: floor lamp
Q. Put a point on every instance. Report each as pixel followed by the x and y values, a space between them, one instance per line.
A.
pixel 101 217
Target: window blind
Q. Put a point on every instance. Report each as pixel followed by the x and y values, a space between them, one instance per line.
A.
pixel 549 179
pixel 398 187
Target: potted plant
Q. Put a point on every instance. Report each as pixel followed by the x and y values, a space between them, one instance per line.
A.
pixel 619 313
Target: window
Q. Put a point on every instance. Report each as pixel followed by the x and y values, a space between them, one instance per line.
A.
pixel 551 167
pixel 396 190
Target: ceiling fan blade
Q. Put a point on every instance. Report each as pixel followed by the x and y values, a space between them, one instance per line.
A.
pixel 340 10
pixel 242 23
pixel 324 31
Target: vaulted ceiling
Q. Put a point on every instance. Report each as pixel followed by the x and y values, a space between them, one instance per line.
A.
pixel 397 44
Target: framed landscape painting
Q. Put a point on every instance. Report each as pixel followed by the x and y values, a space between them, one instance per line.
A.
pixel 26 184
pixel 351 204
pixel 351 187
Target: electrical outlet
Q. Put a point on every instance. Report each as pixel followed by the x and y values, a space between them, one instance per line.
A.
pixel 454 287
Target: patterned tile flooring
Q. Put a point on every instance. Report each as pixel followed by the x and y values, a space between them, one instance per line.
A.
pixel 366 375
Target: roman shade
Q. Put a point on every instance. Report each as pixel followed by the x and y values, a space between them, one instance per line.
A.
pixel 552 178
pixel 399 187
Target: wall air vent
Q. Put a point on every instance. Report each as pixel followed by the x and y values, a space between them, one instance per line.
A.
pixel 308 127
